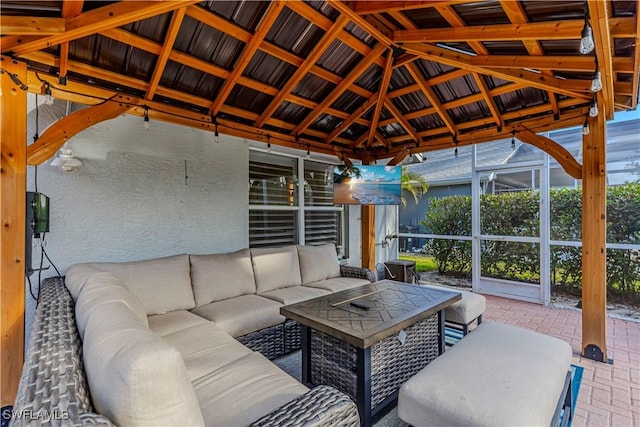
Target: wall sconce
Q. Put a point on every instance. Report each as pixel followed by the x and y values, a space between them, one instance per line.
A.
pixel 66 161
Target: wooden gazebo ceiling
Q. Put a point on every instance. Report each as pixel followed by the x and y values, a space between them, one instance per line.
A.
pixel 358 79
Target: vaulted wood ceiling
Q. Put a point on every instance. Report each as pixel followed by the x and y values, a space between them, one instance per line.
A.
pixel 361 80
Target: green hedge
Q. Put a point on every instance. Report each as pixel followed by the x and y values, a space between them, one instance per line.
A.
pixel 517 214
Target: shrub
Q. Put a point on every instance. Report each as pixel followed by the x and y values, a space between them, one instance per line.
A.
pixel 517 214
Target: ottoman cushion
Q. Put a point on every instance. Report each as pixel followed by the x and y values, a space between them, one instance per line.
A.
pixel 498 375
pixel 466 310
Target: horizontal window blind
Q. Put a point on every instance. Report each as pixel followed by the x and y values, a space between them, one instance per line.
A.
pixel 322 227
pixel 318 184
pixel 272 228
pixel 272 183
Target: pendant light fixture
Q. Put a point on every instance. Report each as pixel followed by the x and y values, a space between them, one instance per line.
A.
pixel 586 42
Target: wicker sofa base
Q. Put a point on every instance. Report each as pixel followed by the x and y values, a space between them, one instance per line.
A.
pixel 275 341
pixel 54 388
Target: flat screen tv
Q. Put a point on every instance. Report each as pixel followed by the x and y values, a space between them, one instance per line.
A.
pixel 367 185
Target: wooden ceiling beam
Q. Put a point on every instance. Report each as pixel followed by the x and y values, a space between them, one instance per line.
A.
pixel 61 131
pixel 167 47
pixel 381 36
pixel 369 7
pixel 355 73
pixel 317 18
pixel 31 25
pixel 141 85
pixel 543 124
pixel 555 30
pixel 516 14
pixel 105 17
pixel 521 113
pixel 431 96
pixel 90 95
pixel 454 20
pixel 382 93
pixel 555 150
pixel 488 99
pixel 624 88
pixel 566 63
pixel 402 19
pixel 572 88
pixel 82 68
pixel 249 50
pixel 401 119
pixel 624 27
pixel 352 118
pixel 313 57
pixel 303 10
pixel 599 13
pixel 360 140
pixel 69 9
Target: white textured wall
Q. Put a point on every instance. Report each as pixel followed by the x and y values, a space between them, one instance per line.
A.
pixel 130 200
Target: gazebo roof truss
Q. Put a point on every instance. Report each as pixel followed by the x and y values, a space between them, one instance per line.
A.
pixel 362 80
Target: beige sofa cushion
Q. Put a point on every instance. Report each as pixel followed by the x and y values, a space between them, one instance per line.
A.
pixel 244 391
pixel 242 315
pixel 104 288
pixel 275 268
pixel 294 294
pixel 498 375
pixel 221 276
pixel 162 284
pixel 77 277
pixel 136 378
pixel 318 262
pixel 205 348
pixel 338 284
pixel 174 321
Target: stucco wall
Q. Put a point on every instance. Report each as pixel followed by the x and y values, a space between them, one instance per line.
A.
pixel 131 199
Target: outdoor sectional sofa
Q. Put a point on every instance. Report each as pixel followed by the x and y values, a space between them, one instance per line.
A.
pixel 172 341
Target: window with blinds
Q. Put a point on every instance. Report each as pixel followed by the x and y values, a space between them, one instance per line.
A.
pixel 272 180
pixel 272 228
pixel 322 227
pixel 277 216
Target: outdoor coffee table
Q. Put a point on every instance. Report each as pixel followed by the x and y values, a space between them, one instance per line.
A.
pixel 367 341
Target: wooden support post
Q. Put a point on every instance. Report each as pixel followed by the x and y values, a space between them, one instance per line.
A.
pixel 13 187
pixel 368 234
pixel 594 234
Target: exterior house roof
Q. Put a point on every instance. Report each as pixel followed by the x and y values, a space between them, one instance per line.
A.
pixel 623 155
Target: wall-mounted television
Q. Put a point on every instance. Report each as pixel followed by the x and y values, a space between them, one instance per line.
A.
pixel 367 185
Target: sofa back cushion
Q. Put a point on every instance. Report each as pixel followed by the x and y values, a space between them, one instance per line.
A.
pixel 318 263
pixel 275 268
pixel 221 276
pixel 105 288
pixel 135 378
pixel 162 284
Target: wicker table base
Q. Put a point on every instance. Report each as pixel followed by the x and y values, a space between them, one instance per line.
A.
pixel 373 375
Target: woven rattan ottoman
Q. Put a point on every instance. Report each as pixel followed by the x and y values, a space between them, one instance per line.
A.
pixel 367 341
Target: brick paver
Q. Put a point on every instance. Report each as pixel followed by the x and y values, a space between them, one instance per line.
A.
pixel 609 394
